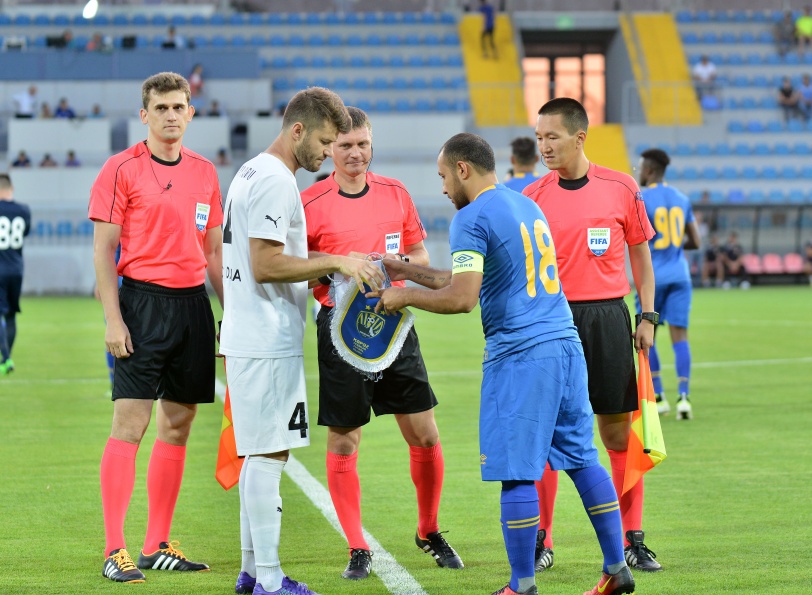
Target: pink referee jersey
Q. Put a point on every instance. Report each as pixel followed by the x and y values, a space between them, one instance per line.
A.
pixel 382 218
pixel 164 210
pixel 591 226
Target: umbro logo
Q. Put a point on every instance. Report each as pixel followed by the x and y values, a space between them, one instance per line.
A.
pixel 278 509
pixel 272 220
pixel 463 258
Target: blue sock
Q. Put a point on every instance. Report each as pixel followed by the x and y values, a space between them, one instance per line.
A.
pixel 520 523
pixel 601 503
pixel 11 330
pixel 654 365
pixel 5 352
pixel 111 362
pixel 682 360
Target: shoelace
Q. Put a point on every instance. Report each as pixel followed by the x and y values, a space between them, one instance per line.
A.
pixel 357 559
pixel 296 587
pixel 642 551
pixel 440 545
pixel 123 560
pixel 172 548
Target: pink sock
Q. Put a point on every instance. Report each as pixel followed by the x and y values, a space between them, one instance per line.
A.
pixel 631 503
pixel 117 481
pixel 427 466
pixel 547 488
pixel 164 477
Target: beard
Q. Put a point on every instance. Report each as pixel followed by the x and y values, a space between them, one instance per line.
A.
pixel 306 159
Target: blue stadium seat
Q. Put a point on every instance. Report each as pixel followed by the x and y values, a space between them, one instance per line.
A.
pixel 416 60
pixel 749 173
pixel 397 61
pixel 217 19
pixel 354 40
pixel 370 18
pixel 377 61
pixel 412 39
pixel 40 41
pixel 746 37
pixel 238 41
pixel 390 18
pixel 64 228
pixel 434 60
pixel 761 81
pixel 690 38
pixel 410 18
pixel 318 61
pixel 757 197
pixel 320 81
pixel 177 19
pixel 383 105
pixel 42 20
pixel 218 41
pixel 374 39
pixel 728 37
pixel 703 149
pixel 438 82
pixel 722 149
pixel 279 61
pixel 22 20
pixel 294 18
pixel 776 60
pixel 709 173
pixel 357 61
pixel 61 20
pixel 455 60
pixel 431 39
pixel 761 149
pixel 742 149
pixel 782 149
pixel 796 126
pixel 683 149
pixel 352 18
pixel 755 126
pixel 360 83
pixel 197 20
pixel 296 41
pixel 394 39
pixel 400 83
pixel 735 60
pixel 259 40
pixel 451 39
pixel 459 82
pixel 256 18
pixel 300 83
pixel 769 173
pixel 364 105
pixel 709 37
pixel 315 40
pixel 277 41
pixel 84 228
pixel 796 196
pixel 334 40
pixel 281 84
pixel 788 172
pixel 444 105
pixel 729 173
pixel 806 172
pixel 801 148
pixel 740 81
pixel 299 62
pixel 341 84
pixel 313 18
pixel 768 102
pixel 702 16
pixel 121 20
pixel 735 126
pixel 776 197
pixel 159 20
pixel 775 126
pixel 419 82
pixel 690 173
pixel 332 18
pixel 685 16
pixel 4 19
pixel 429 18
pixel 403 105
pixel 423 105
pixel 748 103
pixel 275 18
pixel 44 229
pixel 380 83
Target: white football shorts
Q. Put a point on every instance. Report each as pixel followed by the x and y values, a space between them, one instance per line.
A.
pixel 268 404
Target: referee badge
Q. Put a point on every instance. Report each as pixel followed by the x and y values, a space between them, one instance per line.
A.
pixel 202 215
pixel 598 240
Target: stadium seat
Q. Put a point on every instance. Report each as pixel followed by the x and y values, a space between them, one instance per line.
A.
pixel 775 197
pixel 757 197
pixel 796 126
pixel 806 172
pixel 335 40
pixel 276 41
pixel 383 105
pixel 708 173
pixel 761 149
pixel 374 39
pixel 341 84
pixel 796 196
pixel 313 18
pixel 400 83
pixel 729 173
pixel 402 105
pixel 299 62
pixel 722 149
pixel 735 126
pixel 749 173
pixel 752 264
pixel 690 173
pixel 789 172
pixel 377 61
pixel 683 149
pixel 793 263
pixel 238 41
pixel 315 40
pixel 775 126
pixel 296 41
pixel 754 126
pixel 318 61
pixel 734 196
pixel 772 264
pixel 64 228
pixel 256 18
pixel 747 37
pixel 44 229
pixel 84 228
pixel 393 39
pixel 728 37
pixel 258 40
pixel 379 83
pixel 360 83
pixel 294 18
pixel 419 82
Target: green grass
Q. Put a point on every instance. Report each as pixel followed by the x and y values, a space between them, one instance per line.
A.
pixel 729 511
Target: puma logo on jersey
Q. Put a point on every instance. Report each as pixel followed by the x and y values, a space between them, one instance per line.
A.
pixel 271 219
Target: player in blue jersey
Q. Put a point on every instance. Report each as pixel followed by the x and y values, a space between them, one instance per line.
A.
pixel 670 213
pixel 15 223
pixel 534 403
pixel 523 159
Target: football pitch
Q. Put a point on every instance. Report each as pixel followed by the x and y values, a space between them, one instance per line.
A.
pixel 730 510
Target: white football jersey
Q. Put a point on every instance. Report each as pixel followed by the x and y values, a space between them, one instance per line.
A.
pixel 262 320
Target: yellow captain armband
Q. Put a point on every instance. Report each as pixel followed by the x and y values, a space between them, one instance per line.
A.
pixel 467 261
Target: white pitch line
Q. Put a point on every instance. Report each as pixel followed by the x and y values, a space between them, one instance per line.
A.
pixel 397 579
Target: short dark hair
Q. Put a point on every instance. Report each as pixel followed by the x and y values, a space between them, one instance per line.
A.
pixel 5 181
pixel 524 150
pixel 656 158
pixel 163 83
pixel 358 118
pixel 315 106
pixel 574 114
pixel 472 149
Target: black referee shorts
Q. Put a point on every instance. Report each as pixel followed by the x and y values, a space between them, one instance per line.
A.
pixel 346 395
pixel 173 338
pixel 605 328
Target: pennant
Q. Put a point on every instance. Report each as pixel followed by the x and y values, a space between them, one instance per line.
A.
pixel 646 447
pixel 366 340
pixel 228 463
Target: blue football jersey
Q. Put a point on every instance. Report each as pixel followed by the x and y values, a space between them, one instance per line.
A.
pixel 15 223
pixel 521 298
pixel 669 211
pixel 521 181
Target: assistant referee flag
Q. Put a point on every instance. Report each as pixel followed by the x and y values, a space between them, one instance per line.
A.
pixel 646 447
pixel 228 463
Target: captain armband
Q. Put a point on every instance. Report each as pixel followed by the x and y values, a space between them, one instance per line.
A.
pixel 467 261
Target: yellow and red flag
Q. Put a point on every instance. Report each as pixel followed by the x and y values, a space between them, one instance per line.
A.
pixel 228 463
pixel 646 447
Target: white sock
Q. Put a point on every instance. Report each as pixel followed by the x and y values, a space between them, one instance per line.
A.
pixel 246 545
pixel 264 506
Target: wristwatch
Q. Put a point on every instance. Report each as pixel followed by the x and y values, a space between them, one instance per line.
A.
pixel 403 257
pixel 652 317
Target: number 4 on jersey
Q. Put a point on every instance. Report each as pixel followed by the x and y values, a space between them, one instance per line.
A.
pixel 298 421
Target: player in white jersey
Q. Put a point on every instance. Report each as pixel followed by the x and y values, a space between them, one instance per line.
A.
pixel 265 274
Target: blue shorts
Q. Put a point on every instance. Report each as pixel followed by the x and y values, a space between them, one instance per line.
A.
pixel 673 302
pixel 534 408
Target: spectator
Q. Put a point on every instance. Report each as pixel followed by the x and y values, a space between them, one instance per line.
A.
pixel 222 158
pixel 803 29
pixel 488 20
pixel 63 110
pixel 47 161
pixel 705 197
pixel 805 91
pixel 712 265
pixel 523 157
pixel 22 160
pixel 733 260
pixel 72 161
pixel 45 111
pixel 790 100
pixel 196 85
pixel 26 103
pixel 67 40
pixel 704 75
pixel 808 260
pixel 785 33
pixel 96 112
pixel 99 43
pixel 214 109
pixel 173 41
